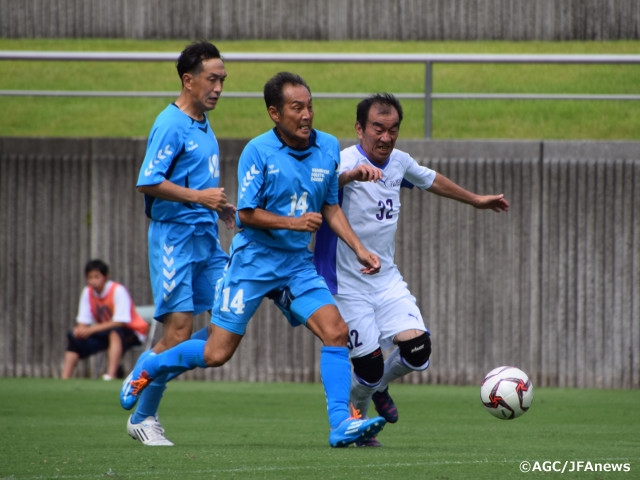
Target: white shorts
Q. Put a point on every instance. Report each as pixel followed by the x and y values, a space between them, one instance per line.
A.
pixel 374 319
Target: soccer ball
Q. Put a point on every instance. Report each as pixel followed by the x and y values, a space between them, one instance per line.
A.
pixel 506 392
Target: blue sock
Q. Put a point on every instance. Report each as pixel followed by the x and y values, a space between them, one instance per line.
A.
pixel 202 334
pixel 184 356
pixel 149 400
pixel 335 371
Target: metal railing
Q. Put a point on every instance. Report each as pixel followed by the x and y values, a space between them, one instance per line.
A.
pixel 426 59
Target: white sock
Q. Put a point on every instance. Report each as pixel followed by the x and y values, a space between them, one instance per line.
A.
pixel 361 393
pixel 394 368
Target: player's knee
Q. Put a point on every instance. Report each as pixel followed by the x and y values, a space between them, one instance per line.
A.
pixel 178 327
pixel 114 336
pixel 369 368
pixel 416 352
pixel 215 357
pixel 327 324
pixel 72 342
pixel 173 336
pixel 342 331
pixel 220 347
pixel 337 335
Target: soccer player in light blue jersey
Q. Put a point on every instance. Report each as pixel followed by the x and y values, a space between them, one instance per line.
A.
pixel 179 179
pixel 287 184
pixel 380 311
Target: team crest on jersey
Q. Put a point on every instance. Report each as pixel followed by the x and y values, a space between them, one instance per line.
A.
pixel 319 174
pixel 391 183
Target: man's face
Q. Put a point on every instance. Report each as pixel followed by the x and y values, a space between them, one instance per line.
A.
pixel 295 121
pixel 97 280
pixel 378 137
pixel 206 86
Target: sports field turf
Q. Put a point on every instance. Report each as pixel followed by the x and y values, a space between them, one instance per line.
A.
pixel 53 429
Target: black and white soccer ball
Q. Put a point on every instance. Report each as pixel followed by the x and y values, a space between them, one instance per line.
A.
pixel 506 392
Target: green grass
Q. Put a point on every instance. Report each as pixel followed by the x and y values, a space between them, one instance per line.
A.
pixel 76 430
pixel 245 118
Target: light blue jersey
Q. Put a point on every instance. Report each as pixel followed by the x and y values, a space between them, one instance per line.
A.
pixel 288 182
pixel 185 256
pixel 284 181
pixel 185 152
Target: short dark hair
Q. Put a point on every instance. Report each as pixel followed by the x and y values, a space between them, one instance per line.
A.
pixel 383 99
pixel 273 88
pixel 190 60
pixel 96 264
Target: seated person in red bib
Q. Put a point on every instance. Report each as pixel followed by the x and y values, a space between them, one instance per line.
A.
pixel 107 320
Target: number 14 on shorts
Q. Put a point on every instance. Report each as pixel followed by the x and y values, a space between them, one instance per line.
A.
pixel 236 303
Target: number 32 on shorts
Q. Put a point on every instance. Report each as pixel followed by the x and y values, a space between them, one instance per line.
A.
pixel 353 340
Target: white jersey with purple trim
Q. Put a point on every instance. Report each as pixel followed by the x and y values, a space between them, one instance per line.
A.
pixel 372 210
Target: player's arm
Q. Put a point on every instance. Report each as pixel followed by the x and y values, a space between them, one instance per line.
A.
pixel 446 188
pixel 228 215
pixel 337 221
pixel 211 198
pixel 266 220
pixel 85 318
pixel 360 173
pixel 83 331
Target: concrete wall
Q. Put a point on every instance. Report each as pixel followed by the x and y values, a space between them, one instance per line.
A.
pixel 553 286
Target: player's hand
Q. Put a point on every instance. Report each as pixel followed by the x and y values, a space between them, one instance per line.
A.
pixel 497 203
pixel 361 173
pixel 213 199
pixel 370 261
pixel 82 331
pixel 366 173
pixel 228 215
pixel 307 222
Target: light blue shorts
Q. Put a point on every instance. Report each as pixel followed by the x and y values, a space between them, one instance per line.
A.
pixel 254 271
pixel 185 263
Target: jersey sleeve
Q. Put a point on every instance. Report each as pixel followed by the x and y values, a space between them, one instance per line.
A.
pixel 164 145
pixel 250 178
pixel 420 176
pixel 348 161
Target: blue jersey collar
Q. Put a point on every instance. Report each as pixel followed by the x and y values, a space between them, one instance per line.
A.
pixel 312 141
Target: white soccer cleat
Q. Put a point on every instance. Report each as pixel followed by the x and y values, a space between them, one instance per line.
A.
pixel 149 432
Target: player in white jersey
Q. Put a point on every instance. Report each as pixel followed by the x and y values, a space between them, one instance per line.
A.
pixel 380 311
